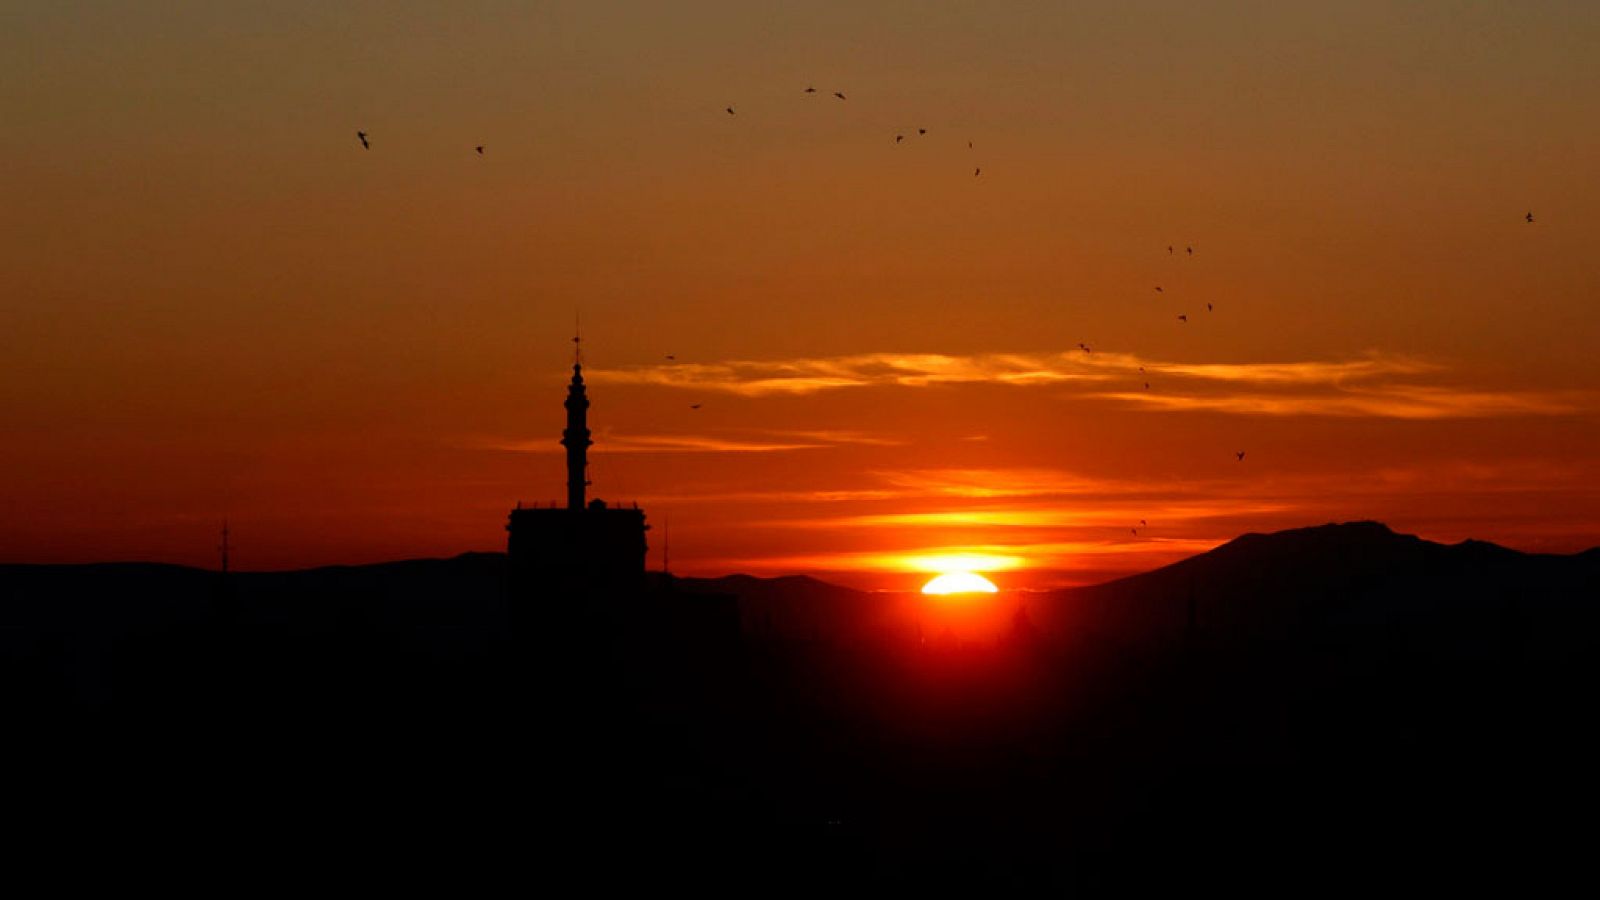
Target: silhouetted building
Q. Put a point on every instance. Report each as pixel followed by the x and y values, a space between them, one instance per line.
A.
pixel 584 543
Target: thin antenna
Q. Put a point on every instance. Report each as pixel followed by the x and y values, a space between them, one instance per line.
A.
pixel 577 340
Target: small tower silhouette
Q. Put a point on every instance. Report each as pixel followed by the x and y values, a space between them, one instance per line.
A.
pixel 576 439
pixel 585 544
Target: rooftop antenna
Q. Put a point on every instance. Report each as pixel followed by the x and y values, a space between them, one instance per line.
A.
pixel 577 340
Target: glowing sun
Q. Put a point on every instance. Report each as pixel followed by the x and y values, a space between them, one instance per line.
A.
pixel 960 583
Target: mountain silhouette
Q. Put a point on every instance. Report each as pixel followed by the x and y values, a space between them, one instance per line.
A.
pixel 1348 582
pixel 1336 705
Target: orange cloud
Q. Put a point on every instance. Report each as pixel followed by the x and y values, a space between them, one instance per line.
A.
pixel 992 557
pixel 696 443
pixel 1012 482
pixel 1392 402
pixel 1354 388
pixel 806 376
pixel 1010 517
pixel 660 443
pixel 1312 372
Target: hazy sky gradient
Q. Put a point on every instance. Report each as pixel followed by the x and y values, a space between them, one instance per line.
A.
pixel 214 302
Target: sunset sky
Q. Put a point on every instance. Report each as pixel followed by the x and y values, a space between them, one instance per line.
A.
pixel 215 303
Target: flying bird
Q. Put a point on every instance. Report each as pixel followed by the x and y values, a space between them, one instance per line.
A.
pixel 898 138
pixel 1182 318
pixel 1147 385
pixel 1169 249
pixel 810 90
pixel 922 131
pixel 1141 369
pixel 671 357
pixel 730 110
pixel 839 94
pixel 1239 454
pixel 1189 250
pixel 363 137
pixel 694 406
pixel 969 145
pixel 1135 531
pixel 1159 290
pixel 977 172
pixel 1208 307
pixel 1143 524
pixel 1530 217
pixel 1084 347
pixel 479 148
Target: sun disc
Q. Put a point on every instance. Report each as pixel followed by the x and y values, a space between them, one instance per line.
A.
pixel 960 583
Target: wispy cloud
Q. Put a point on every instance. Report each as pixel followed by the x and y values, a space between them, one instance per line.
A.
pixel 755 378
pixel 759 441
pixel 1374 385
pixel 735 496
pixel 925 484
pixel 1009 482
pixel 660 443
pixel 1370 367
pixel 1403 401
pixel 1112 515
pixel 995 557
pixel 1038 496
pixel 853 438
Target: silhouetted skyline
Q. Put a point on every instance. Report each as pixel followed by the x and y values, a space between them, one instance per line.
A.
pixel 1342 700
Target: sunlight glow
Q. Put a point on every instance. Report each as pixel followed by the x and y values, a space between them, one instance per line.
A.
pixel 960 583
pixel 959 562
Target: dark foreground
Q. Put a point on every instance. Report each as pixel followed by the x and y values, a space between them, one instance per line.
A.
pixel 1334 707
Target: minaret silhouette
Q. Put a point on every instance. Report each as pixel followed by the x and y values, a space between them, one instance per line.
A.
pixel 588 543
pixel 576 439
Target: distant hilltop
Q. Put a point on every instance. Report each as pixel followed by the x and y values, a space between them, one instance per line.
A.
pixel 1374 540
pixel 1256 586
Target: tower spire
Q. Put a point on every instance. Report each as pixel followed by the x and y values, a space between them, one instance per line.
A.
pixel 576 436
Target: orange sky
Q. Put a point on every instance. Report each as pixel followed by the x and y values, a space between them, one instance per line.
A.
pixel 214 302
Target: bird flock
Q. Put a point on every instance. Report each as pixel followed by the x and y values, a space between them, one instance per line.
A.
pixel 1183 319
pixel 900 138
